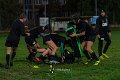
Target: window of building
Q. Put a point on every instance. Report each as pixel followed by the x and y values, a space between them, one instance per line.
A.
pixel 44 1
pixel 37 2
pixel 29 1
pixel 29 14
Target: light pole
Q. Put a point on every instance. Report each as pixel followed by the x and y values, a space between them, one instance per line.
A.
pixel 96 7
pixel 0 23
pixel 33 11
pixel 45 4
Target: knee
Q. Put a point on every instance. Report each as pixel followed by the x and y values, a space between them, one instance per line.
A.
pixel 88 49
pixel 82 47
pixel 56 48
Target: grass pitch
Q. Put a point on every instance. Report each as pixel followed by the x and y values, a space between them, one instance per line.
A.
pixel 108 69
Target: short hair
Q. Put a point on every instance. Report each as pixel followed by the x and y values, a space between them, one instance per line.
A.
pixel 103 11
pixel 22 16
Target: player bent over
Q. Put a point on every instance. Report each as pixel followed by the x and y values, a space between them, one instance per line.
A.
pixel 90 37
pixel 75 42
pixel 82 27
pixel 48 41
pixel 34 47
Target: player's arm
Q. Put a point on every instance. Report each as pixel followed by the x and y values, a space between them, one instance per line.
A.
pixel 83 30
pixel 81 34
pixel 109 30
pixel 72 34
pixel 23 32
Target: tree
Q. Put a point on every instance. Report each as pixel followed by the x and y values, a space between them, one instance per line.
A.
pixel 54 8
pixel 9 10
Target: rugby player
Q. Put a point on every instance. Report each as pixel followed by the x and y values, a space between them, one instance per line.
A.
pixel 34 47
pixel 91 33
pixel 12 41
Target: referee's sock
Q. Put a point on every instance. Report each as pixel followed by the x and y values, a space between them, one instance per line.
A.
pixel 7 59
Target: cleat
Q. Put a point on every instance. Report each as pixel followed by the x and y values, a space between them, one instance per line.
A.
pixel 88 61
pixel 97 62
pixel 101 57
pixel 54 62
pixel 106 56
pixel 11 63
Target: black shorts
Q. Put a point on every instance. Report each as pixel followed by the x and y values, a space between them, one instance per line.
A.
pixel 46 38
pixel 57 39
pixel 82 38
pixel 91 38
pixel 30 41
pixel 11 43
pixel 104 37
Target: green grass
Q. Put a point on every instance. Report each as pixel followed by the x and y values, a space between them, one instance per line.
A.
pixel 22 70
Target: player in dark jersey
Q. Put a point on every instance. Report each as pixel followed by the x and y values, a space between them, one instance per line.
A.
pixel 60 41
pixel 104 33
pixel 34 47
pixel 13 39
pixel 75 42
pixel 91 33
pixel 82 27
pixel 48 41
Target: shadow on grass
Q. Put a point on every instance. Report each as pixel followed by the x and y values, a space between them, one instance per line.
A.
pixel 2 65
pixel 20 61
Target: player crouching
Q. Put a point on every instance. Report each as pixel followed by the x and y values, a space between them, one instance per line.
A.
pixel 34 47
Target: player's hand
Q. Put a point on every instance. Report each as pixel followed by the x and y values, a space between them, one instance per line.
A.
pixel 28 34
pixel 109 34
pixel 26 27
pixel 73 35
pixel 98 36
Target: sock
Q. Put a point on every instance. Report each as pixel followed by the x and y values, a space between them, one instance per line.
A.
pixel 30 56
pixel 87 54
pixel 51 57
pixel 7 58
pixel 13 55
pixel 34 52
pixel 94 57
pixel 42 57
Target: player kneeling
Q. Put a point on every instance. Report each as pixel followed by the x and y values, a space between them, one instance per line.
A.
pixel 34 47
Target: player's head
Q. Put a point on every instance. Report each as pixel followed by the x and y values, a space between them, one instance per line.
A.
pixel 46 28
pixel 103 13
pixel 40 29
pixel 23 17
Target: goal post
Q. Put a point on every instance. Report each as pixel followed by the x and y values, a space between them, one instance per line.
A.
pixel 60 23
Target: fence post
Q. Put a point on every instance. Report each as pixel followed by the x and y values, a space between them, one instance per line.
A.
pixel 0 23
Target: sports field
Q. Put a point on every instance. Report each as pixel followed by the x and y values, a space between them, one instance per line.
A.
pixel 22 70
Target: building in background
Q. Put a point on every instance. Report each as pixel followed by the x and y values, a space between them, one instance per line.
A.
pixel 34 9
